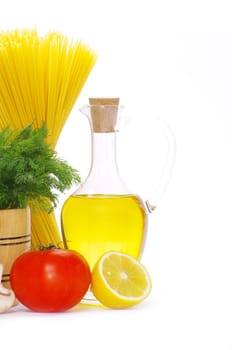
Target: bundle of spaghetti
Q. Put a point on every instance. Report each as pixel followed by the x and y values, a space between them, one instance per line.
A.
pixel 41 78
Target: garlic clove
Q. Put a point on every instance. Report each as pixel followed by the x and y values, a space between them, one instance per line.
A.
pixel 6 301
pixel 7 296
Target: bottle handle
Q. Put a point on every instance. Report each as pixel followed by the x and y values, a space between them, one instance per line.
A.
pixel 154 200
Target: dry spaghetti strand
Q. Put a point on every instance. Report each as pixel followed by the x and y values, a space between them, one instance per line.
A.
pixel 40 80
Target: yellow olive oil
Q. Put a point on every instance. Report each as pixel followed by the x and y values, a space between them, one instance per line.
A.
pixel 93 225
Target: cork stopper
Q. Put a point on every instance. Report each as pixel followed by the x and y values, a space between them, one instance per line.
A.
pixel 104 114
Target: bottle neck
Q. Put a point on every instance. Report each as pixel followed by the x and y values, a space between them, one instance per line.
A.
pixel 103 177
pixel 104 159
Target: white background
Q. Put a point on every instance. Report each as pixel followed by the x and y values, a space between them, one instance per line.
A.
pixel 170 60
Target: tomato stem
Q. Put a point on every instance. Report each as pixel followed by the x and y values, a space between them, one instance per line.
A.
pixel 49 246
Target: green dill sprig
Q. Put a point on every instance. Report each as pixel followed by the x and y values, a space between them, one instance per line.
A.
pixel 30 170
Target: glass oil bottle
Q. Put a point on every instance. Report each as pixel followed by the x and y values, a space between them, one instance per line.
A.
pixel 103 215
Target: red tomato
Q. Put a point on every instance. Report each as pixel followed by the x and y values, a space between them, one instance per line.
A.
pixel 51 280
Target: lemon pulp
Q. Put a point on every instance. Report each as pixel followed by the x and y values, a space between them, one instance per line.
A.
pixel 119 280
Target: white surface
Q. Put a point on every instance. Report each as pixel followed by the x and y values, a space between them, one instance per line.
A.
pixel 170 60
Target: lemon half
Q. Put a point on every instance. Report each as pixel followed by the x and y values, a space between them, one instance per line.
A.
pixel 120 281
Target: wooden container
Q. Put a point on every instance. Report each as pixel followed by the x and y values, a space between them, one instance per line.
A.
pixel 15 238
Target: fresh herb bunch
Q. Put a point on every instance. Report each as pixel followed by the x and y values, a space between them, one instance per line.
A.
pixel 30 171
